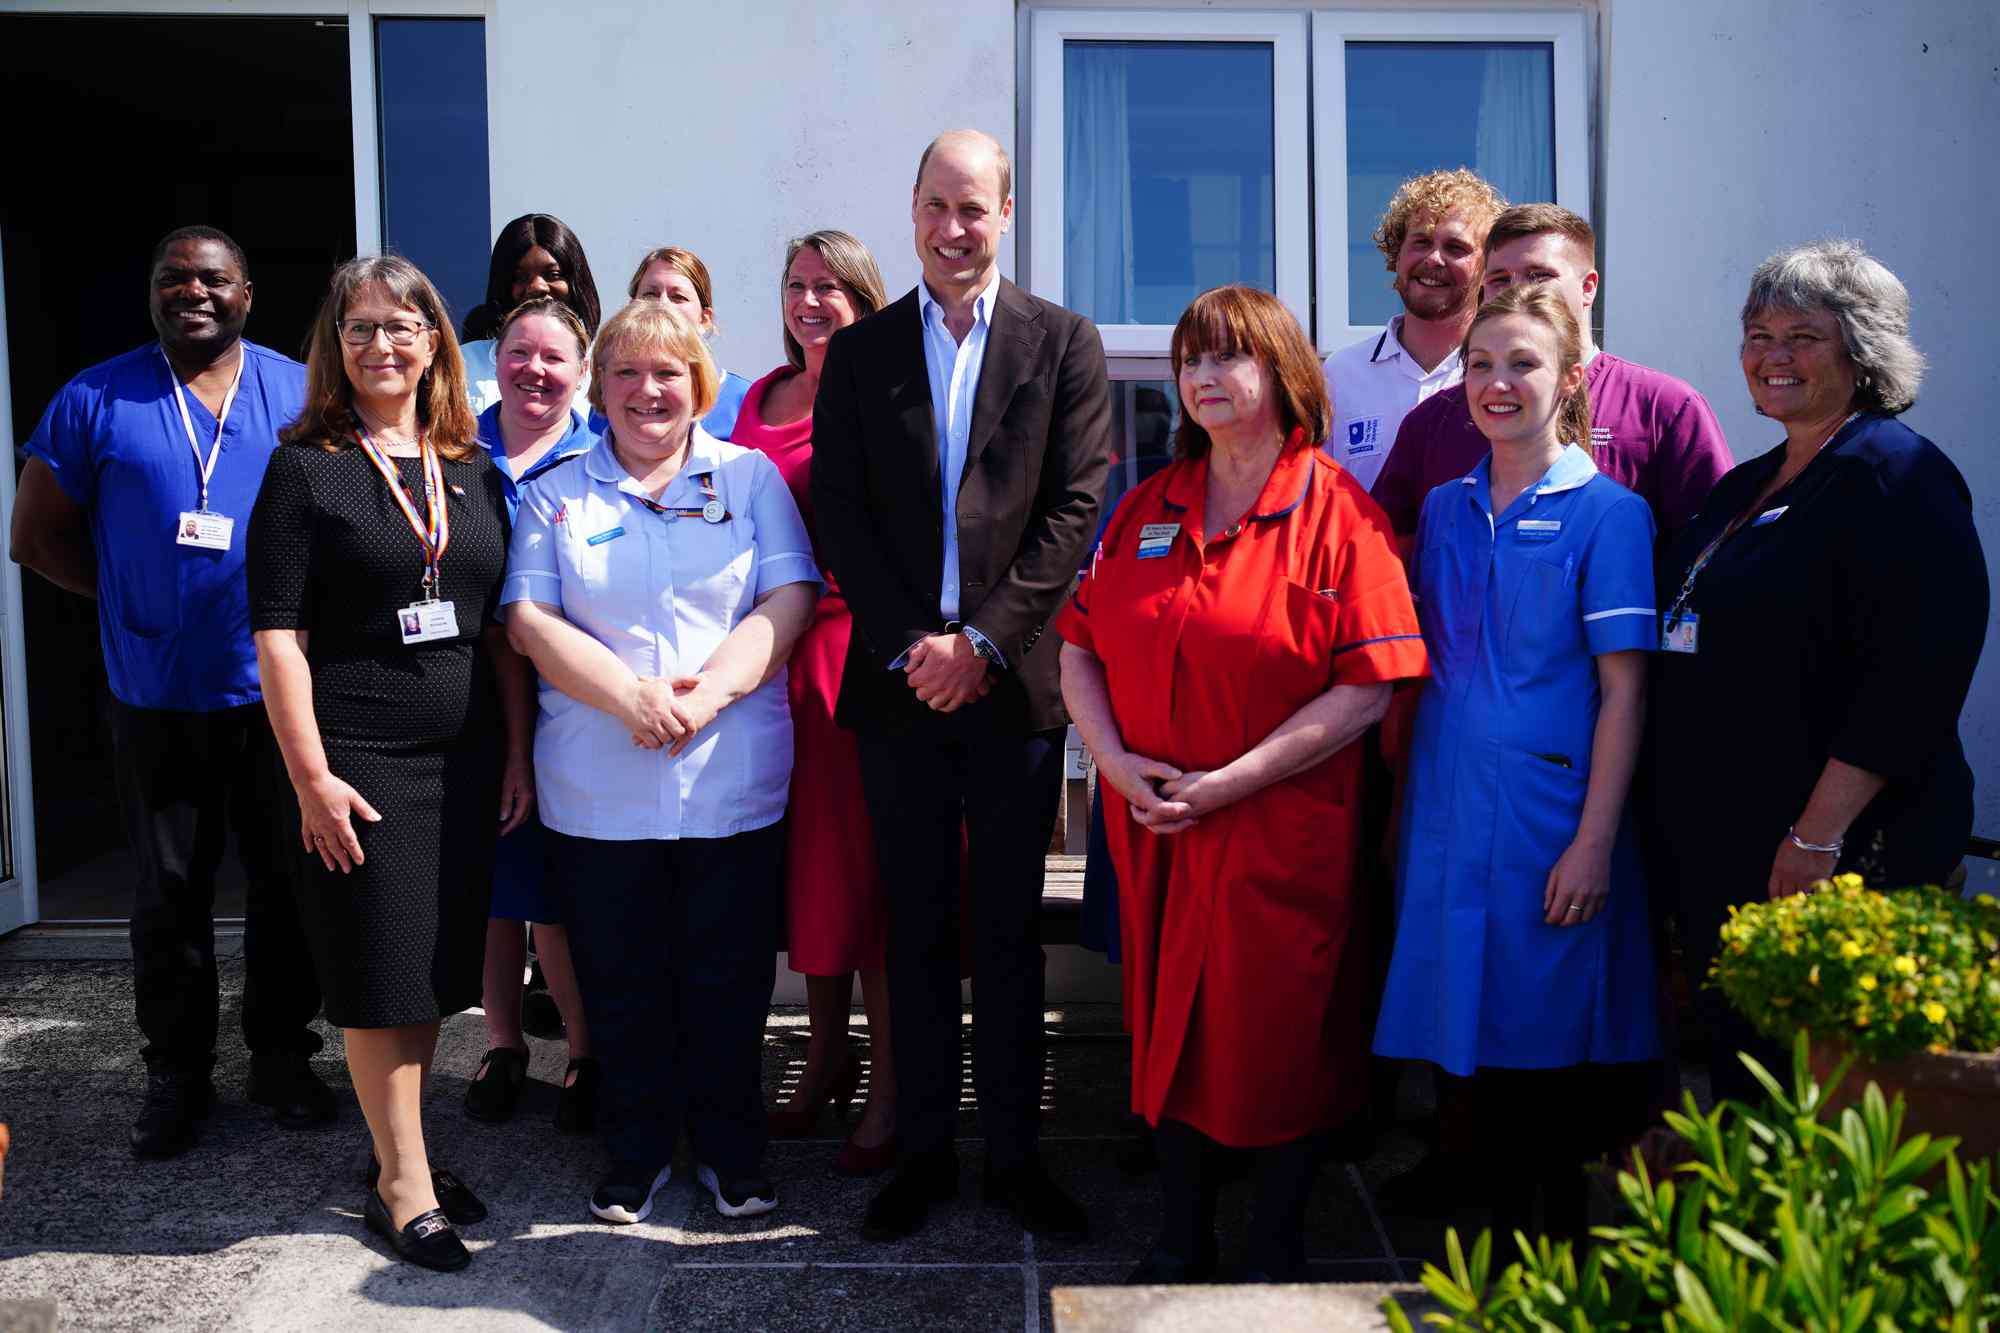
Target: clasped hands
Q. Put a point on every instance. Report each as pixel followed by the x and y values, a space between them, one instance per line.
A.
pixel 946 672
pixel 671 711
pixel 1163 798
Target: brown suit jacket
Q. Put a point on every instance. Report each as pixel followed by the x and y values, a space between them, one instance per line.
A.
pixel 1035 468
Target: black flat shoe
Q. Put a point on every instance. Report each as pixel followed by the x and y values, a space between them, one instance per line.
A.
pixel 1039 1204
pixel 296 1095
pixel 904 1205
pixel 454 1196
pixel 175 1106
pixel 427 1240
pixel 576 1104
pixel 496 1086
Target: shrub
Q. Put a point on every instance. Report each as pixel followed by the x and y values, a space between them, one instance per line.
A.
pixel 1779 1222
pixel 1885 974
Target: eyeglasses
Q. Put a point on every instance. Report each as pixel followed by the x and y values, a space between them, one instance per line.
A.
pixel 361 332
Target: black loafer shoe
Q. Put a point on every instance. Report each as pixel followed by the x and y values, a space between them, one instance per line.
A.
pixel 1037 1203
pixel 175 1105
pixel 495 1089
pixel 297 1097
pixel 904 1205
pixel 454 1196
pixel 427 1240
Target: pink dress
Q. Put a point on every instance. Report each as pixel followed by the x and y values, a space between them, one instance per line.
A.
pixel 834 915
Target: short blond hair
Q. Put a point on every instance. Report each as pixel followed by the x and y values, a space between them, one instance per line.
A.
pixel 655 328
pixel 1437 195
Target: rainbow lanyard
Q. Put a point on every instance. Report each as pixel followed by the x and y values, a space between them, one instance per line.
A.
pixel 434 532
pixel 710 511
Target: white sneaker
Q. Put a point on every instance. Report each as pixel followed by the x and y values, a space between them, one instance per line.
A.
pixel 740 1198
pixel 624 1196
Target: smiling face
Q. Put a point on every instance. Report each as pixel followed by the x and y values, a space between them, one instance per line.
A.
pixel 1546 257
pixel 816 304
pixel 378 369
pixel 1437 270
pixel 649 401
pixel 200 299
pixel 960 216
pixel 1514 380
pixel 539 274
pixel 1797 366
pixel 663 282
pixel 540 366
pixel 1228 394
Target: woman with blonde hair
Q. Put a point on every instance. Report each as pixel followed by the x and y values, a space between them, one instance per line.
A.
pixel 375 554
pixel 1523 955
pixel 658 582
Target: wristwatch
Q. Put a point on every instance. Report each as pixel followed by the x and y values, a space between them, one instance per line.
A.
pixel 981 645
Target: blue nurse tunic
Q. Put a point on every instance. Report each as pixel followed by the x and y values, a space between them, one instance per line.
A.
pixel 1515 608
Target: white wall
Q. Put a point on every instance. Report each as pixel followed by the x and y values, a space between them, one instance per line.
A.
pixel 1735 129
pixel 729 128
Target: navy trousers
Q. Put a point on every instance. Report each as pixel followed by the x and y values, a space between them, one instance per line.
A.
pixel 675 947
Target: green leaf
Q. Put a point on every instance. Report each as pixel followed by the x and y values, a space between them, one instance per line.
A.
pixel 1695 1301
pixel 1742 1244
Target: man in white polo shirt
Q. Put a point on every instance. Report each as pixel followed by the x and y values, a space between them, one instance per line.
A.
pixel 1431 238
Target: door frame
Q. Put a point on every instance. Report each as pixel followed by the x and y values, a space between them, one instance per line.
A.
pixel 20 894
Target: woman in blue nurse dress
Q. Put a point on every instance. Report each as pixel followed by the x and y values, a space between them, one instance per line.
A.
pixel 1522 956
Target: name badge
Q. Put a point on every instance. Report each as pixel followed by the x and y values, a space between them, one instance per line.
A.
pixel 1769 516
pixel 422 622
pixel 1156 539
pixel 1539 529
pixel 607 535
pixel 1681 635
pixel 198 527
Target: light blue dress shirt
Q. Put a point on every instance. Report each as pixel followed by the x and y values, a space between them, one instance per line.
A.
pixel 954 373
pixel 662 591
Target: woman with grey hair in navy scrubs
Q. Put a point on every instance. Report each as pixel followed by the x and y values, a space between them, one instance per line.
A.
pixel 1821 619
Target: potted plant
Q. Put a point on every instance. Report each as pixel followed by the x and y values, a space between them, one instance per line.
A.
pixel 1907 983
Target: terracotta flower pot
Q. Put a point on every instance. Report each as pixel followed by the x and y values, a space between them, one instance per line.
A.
pixel 1953 1092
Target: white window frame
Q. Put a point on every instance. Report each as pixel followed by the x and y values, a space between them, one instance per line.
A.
pixel 1333 29
pixel 1286 33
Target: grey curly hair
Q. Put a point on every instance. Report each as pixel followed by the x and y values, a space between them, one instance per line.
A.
pixel 1871 303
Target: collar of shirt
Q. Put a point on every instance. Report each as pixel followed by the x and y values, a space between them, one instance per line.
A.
pixel 572 442
pixel 704 455
pixel 1389 350
pixel 932 310
pixel 1573 467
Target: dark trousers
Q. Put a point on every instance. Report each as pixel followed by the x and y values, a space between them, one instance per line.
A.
pixel 1282 1176
pixel 675 947
pixel 185 780
pixel 1002 790
pixel 1538 1129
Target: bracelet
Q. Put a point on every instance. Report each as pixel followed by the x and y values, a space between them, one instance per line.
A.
pixel 1823 848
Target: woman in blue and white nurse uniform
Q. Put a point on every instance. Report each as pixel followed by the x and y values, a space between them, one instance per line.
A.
pixel 1522 955
pixel 659 582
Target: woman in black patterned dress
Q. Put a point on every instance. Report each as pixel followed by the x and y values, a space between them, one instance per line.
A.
pixel 375 553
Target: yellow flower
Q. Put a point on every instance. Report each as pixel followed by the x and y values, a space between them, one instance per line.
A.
pixel 1934 1011
pixel 1866 981
pixel 1849 949
pixel 1812 977
pixel 1906 965
pixel 1861 1018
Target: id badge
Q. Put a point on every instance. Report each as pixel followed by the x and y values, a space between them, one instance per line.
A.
pixel 421 622
pixel 1682 635
pixel 1156 539
pixel 211 532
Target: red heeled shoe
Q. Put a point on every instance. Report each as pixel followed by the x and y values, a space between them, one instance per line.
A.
pixel 795 1122
pixel 855 1160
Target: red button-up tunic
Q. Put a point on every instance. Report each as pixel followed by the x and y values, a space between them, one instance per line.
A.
pixel 1244 976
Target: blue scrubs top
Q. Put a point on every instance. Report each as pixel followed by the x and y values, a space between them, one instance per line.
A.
pixel 576 440
pixel 1515 608
pixel 174 620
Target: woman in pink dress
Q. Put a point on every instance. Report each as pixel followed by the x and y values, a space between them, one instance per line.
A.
pixel 835 925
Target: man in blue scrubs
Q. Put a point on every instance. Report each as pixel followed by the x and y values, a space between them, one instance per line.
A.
pixel 137 493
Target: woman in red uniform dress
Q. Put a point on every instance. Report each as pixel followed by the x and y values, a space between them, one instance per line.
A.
pixel 1242 624
pixel 835 924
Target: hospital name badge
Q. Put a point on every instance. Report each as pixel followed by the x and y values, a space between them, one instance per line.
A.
pixel 1680 634
pixel 1156 539
pixel 1539 529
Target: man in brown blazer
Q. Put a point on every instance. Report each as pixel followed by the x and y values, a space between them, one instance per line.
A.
pixel 961 443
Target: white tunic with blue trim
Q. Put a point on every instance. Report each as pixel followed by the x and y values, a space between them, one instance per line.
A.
pixel 1515 608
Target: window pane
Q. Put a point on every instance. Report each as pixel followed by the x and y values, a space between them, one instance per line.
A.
pixel 1144 416
pixel 1485 105
pixel 431 84
pixel 1168 162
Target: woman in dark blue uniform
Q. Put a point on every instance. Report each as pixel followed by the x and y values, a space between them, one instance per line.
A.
pixel 1821 620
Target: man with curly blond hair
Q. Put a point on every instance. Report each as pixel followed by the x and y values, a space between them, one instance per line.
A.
pixel 1430 239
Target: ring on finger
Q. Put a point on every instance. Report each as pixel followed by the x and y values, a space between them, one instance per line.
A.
pixel 1576 909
